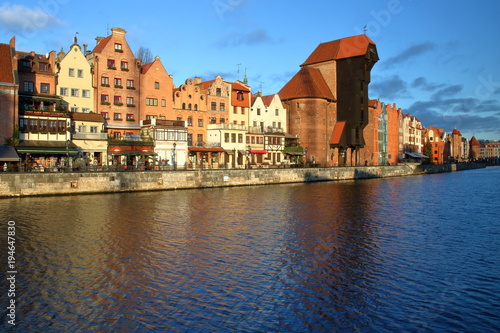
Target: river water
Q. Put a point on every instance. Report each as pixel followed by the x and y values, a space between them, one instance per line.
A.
pixel 411 254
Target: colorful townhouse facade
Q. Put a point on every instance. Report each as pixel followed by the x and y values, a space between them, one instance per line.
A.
pixel 106 107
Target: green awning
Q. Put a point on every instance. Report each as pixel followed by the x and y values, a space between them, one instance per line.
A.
pixel 8 154
pixel 46 147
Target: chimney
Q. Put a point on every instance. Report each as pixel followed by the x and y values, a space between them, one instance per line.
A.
pixel 197 80
pixel 98 40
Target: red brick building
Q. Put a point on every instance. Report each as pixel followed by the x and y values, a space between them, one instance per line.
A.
pixel 8 91
pixel 327 100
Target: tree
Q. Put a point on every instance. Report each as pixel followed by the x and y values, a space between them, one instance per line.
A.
pixel 428 153
pixel 144 55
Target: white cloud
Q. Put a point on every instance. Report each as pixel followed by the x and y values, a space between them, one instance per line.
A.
pixel 26 21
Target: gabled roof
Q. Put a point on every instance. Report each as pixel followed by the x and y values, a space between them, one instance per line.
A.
pixel 456 132
pixel 307 83
pixel 6 70
pixel 267 99
pixel 239 86
pixel 474 142
pixel 339 49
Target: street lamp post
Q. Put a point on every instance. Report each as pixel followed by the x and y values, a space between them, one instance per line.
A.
pixel 174 160
pixel 248 157
pixel 305 156
pixel 67 155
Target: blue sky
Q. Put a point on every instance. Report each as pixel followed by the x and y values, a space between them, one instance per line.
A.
pixel 439 60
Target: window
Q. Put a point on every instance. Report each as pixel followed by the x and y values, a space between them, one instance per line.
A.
pixel 190 139
pixel 189 106
pixel 74 109
pixel 93 129
pixel 111 64
pixel 254 123
pixel 104 98
pixel 130 84
pixel 82 128
pixel 200 122
pixel 196 107
pixel 164 103
pixel 277 112
pixel 117 135
pixel 130 116
pixel 117 116
pixel 258 111
pixel 85 93
pixel 226 137
pixel 75 92
pixel 43 67
pixel 52 125
pixel 233 137
pixel 152 101
pixel 242 110
pixel 33 125
pixel 200 139
pixel 117 100
pixel 124 65
pixel 218 92
pixel 190 121
pixel 222 120
pixel 43 125
pixel 130 101
pixel 26 63
pixel 29 86
pixel 279 124
pixel 105 115
pixel 239 96
pixel 184 106
pixel 44 88
pixel 104 81
pixel 61 126
pixel 240 138
pixel 213 106
pixel 71 72
pixel 222 106
pixel 79 73
pixel 213 120
pixel 157 85
pixel 118 47
pixel 118 82
pixel 85 110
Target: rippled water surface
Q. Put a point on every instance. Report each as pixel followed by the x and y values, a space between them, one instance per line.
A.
pixel 406 254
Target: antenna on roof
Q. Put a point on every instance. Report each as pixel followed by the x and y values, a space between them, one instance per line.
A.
pixel 365 29
pixel 260 86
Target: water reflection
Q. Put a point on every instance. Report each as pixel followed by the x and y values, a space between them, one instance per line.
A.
pixel 353 256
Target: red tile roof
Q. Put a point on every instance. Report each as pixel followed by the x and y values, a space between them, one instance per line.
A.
pixel 6 73
pixel 99 47
pixel 474 142
pixel 267 99
pixel 87 117
pixel 337 133
pixel 146 67
pixel 456 132
pixel 339 49
pixel 308 82
pixel 238 86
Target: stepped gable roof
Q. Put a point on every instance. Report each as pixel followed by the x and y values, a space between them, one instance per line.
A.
pixel 267 99
pixel 206 84
pixel 307 83
pixel 340 49
pixel 474 142
pixel 80 116
pixel 6 70
pixel 102 44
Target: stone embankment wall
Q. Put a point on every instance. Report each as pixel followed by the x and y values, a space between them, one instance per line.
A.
pixel 38 184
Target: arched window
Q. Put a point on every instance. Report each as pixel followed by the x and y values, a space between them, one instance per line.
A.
pixel 196 107
pixel 239 96
pixel 184 106
pixel 189 106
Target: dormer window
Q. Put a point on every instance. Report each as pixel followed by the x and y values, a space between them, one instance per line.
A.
pixel 26 63
pixel 239 96
pixel 43 67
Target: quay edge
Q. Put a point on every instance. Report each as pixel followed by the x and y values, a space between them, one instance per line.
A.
pixel 51 184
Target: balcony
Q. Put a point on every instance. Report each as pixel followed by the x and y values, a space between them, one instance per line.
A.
pixel 227 127
pixel 90 136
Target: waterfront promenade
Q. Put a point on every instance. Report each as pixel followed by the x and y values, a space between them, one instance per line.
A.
pixel 69 183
